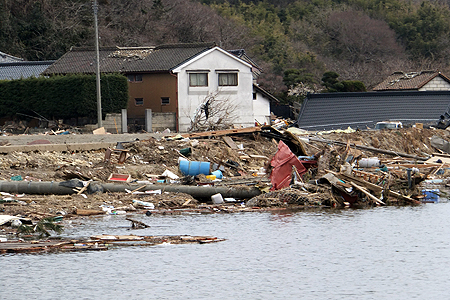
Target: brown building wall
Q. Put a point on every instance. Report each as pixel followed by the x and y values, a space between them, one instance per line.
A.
pixel 152 89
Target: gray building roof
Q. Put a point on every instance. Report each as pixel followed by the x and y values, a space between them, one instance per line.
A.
pixel 242 55
pixel 362 110
pixel 22 69
pixel 8 58
pixel 127 59
pixel 271 97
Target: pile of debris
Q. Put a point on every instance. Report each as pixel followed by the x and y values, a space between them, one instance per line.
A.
pixel 229 170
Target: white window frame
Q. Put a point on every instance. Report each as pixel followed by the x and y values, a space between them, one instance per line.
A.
pixel 226 78
pixel 191 76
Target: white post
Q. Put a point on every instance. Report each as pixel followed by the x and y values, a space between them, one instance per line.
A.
pixel 148 120
pixel 124 121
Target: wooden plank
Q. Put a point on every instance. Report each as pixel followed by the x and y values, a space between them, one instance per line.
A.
pixel 221 132
pixel 229 141
pixel 418 166
pixel 377 150
pixel 84 188
pixel 370 186
pixel 441 155
pixel 360 188
pixel 402 197
pixel 433 160
pixel 258 156
pixel 89 212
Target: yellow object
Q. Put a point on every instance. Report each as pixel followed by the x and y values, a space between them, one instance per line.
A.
pixel 211 177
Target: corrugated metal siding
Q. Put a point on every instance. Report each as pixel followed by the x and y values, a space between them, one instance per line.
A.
pixel 361 110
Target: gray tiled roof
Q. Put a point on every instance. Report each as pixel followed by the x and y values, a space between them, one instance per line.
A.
pixel 361 110
pixel 8 58
pixel 127 59
pixel 271 97
pixel 408 81
pixel 22 69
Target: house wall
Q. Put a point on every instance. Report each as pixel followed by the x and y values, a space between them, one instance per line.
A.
pixel 240 97
pixel 261 109
pixel 436 84
pixel 151 89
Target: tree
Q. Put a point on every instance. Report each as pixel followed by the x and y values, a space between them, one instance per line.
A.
pixel 425 31
pixel 333 85
pixel 213 113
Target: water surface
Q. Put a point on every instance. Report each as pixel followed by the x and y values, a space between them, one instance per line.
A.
pixel 381 253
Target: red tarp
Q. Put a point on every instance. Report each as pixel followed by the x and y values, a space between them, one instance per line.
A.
pixel 282 164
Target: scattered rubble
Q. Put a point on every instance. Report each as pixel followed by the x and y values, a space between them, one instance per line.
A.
pixel 262 167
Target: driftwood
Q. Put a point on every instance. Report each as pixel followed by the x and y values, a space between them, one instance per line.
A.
pixel 137 224
pixel 88 212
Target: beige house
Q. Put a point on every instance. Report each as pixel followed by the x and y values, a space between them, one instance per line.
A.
pixel 415 81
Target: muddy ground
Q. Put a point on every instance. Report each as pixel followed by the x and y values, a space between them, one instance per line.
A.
pixel 149 158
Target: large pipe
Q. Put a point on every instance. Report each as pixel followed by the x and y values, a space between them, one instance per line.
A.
pixel 30 187
pixel 194 191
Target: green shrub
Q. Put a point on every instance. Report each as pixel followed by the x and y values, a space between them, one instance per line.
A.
pixel 62 97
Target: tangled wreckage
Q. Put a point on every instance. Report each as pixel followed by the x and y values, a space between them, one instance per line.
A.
pixel 248 169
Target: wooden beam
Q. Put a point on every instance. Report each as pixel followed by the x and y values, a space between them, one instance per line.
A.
pixel 229 141
pixel 360 188
pixel 221 132
pixel 389 152
pixel 370 186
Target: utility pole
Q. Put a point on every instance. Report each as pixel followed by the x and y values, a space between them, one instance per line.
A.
pixel 97 71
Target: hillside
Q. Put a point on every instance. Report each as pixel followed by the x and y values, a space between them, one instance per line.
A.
pixel 294 42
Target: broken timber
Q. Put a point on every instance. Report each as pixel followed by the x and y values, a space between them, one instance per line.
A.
pixel 221 132
pixel 101 242
pixel 360 188
pixel 377 190
pixel 389 152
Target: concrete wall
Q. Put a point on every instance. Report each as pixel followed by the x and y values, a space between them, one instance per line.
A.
pixel 161 121
pixel 437 84
pixel 214 62
pixel 113 123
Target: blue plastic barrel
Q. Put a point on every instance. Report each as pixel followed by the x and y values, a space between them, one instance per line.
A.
pixel 193 168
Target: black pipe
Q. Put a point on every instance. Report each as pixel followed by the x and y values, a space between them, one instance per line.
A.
pixel 61 188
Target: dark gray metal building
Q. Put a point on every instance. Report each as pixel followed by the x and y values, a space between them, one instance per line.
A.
pixel 362 110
